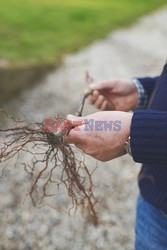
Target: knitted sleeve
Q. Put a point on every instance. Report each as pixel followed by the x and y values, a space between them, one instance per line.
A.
pixel 149 136
pixel 148 84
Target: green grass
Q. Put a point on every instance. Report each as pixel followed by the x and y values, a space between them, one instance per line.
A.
pixel 46 30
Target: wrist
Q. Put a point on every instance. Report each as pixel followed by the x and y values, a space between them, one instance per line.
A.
pixel 126 126
pixel 128 146
pixel 142 99
pixel 134 96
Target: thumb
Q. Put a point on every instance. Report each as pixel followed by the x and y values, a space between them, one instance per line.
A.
pixel 72 119
pixel 102 85
pixel 74 136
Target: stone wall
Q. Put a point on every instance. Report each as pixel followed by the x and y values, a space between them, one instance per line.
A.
pixel 13 79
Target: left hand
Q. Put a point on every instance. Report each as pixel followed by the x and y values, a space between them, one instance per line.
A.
pixel 102 145
pixel 115 94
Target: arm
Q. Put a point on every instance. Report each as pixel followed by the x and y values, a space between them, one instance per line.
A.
pixel 123 95
pixel 149 137
pixel 148 84
pixel 147 128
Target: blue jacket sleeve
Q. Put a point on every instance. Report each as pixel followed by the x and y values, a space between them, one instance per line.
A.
pixel 149 84
pixel 149 137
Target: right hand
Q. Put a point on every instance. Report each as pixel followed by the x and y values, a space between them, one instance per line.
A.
pixel 103 144
pixel 119 95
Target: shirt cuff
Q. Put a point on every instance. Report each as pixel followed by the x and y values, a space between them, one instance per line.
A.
pixel 143 97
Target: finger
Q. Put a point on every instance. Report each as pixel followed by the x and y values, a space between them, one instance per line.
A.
pixel 72 118
pixel 99 101
pixel 76 122
pixel 104 105
pixel 72 137
pixel 102 85
pixel 93 97
pixel 76 136
pixel 80 146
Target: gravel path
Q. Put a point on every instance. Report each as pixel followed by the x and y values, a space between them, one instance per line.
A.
pixel 135 51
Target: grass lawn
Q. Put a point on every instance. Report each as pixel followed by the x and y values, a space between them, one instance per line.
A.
pixel 46 30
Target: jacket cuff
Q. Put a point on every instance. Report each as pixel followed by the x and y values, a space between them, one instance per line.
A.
pixel 149 137
pixel 148 84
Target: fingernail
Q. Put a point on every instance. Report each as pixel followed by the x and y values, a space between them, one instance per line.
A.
pixel 70 116
pixel 92 86
pixel 86 91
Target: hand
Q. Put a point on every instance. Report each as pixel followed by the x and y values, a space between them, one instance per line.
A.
pixel 114 95
pixel 102 145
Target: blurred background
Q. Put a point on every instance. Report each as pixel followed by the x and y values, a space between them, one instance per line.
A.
pixel 36 35
pixel 45 49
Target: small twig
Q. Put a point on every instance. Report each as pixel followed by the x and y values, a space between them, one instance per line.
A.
pixel 88 80
pixel 82 102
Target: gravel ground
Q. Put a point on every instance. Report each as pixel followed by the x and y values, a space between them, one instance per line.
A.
pixel 135 51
